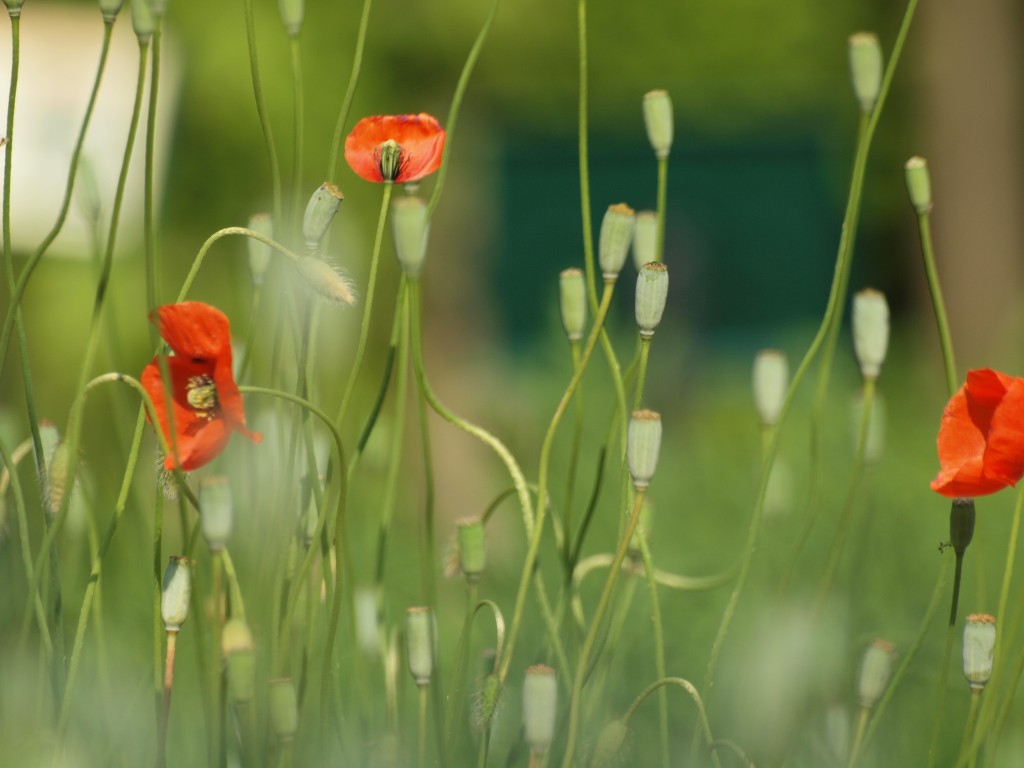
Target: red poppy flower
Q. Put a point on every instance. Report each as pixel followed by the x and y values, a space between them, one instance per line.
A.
pixel 981 438
pixel 395 147
pixel 205 400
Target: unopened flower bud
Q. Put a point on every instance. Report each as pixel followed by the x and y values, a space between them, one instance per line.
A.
pixel 489 698
pixel 239 652
pixel 866 68
pixel 572 294
pixel 540 696
pixel 216 511
pixel 615 238
pixel 367 628
pixel 771 380
pixel 326 280
pixel 919 184
pixel 143 21
pixel 643 444
pixel 57 469
pixel 651 294
pixel 870 331
pixel 284 708
pixel 979 647
pixel 658 121
pixel 260 252
pixel 320 210
pixel 421 641
pixel 645 239
pixel 292 13
pixel 610 742
pixel 110 8
pixel 875 670
pixel 14 7
pixel 410 228
pixel 177 592
pixel 961 524
pixel 158 8
pixel 472 552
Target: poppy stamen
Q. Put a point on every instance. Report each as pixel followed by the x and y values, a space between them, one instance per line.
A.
pixel 391 159
pixel 201 395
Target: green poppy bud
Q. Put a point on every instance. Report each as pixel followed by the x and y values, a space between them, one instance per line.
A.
pixel 651 294
pixel 866 68
pixel 919 184
pixel 572 294
pixel 643 444
pixel 615 239
pixel 292 13
pixel 658 121
pixel 540 697
pixel 645 239
pixel 410 228
pixel 320 211
pixel 870 331
pixel 875 670
pixel 472 552
pixel 979 648
pixel 771 380
pixel 177 592
pixel 284 709
pixel 421 641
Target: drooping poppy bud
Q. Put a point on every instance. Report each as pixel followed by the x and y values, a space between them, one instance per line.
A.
pixel 320 211
pixel 239 652
pixel 326 280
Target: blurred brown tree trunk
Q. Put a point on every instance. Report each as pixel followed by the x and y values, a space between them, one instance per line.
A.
pixel 973 99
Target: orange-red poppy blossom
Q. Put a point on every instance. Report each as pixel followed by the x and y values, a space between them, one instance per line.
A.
pixel 395 148
pixel 981 438
pixel 205 400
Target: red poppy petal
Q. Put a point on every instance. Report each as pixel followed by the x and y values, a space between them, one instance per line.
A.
pixel 420 136
pixel 230 400
pixel 961 445
pixel 200 447
pixel 195 330
pixel 1004 454
pixel 987 387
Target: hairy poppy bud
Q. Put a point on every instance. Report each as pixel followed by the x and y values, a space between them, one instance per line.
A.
pixel 421 641
pixel 320 211
pixel 572 294
pixel 643 444
pixel 919 184
pixel 651 294
pixel 770 381
pixel 177 592
pixel 615 238
pixel 658 121
pixel 610 742
pixel 875 669
pixel 410 228
pixel 979 648
pixel 540 696
pixel 870 331
pixel 645 239
pixel 326 280
pixel 260 252
pixel 866 68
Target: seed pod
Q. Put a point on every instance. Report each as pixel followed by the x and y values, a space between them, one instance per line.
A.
pixel 658 121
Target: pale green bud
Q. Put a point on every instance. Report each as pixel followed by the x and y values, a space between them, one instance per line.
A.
pixel 866 68
pixel 216 511
pixel 919 184
pixel 645 239
pixel 870 331
pixel 410 228
pixel 610 742
pixel 292 13
pixel 643 444
pixel 572 294
pixel 875 670
pixel 177 592
pixel 110 8
pixel 658 121
pixel 239 652
pixel 615 239
pixel 367 628
pixel 143 20
pixel 320 211
pixel 979 648
pixel 771 379
pixel 284 709
pixel 651 294
pixel 540 698
pixel 421 641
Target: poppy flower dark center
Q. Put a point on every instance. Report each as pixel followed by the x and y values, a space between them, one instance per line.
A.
pixel 201 395
pixel 391 159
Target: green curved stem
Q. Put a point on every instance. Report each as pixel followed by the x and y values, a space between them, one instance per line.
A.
pixel 453 112
pixel 261 111
pixel 938 303
pixel 687 686
pixel 584 156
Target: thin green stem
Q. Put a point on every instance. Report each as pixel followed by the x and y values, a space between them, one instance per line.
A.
pixel 638 394
pixel 938 303
pixel 298 118
pixel 687 686
pixel 421 752
pixel 858 738
pixel 148 209
pixel 972 715
pixel 261 111
pixel 364 328
pixel 584 156
pixel 588 643
pixel 350 90
pixel 659 646
pixel 662 205
pixel 453 111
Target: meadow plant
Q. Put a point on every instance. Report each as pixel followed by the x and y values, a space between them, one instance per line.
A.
pixel 307 562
